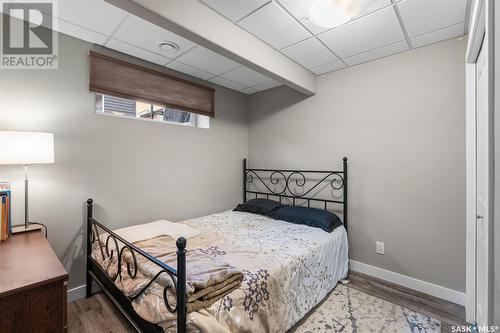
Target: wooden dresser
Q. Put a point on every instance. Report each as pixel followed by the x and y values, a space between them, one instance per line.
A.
pixel 33 286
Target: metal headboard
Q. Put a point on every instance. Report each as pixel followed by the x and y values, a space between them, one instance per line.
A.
pixel 271 178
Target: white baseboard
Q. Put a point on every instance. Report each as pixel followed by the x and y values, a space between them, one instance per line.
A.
pixel 76 293
pixel 409 282
pixel 356 266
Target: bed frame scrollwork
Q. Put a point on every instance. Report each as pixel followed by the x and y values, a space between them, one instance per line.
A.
pixel 295 187
pixel 285 184
pixel 111 244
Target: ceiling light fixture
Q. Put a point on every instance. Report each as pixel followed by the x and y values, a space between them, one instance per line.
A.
pixel 332 13
pixel 169 46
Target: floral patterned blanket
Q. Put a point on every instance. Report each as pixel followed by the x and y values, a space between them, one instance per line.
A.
pixel 287 270
pixel 208 278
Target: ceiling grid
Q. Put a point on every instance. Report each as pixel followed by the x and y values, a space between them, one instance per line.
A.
pixel 378 30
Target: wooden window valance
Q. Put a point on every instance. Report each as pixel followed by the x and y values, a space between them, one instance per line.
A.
pixel 112 76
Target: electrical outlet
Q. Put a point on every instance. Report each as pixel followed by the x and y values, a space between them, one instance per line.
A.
pixel 380 248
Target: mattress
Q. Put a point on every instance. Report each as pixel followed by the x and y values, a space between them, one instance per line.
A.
pixel 288 269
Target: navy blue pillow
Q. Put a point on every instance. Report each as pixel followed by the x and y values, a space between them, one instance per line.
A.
pixel 312 217
pixel 258 206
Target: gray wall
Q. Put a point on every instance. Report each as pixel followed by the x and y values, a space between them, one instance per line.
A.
pixel 401 122
pixel 136 171
pixel 495 246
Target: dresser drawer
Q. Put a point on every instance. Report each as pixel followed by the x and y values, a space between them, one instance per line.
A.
pixel 33 286
pixel 41 309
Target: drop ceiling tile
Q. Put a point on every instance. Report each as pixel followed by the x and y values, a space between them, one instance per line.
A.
pixel 309 53
pixel 377 53
pixel 81 33
pixel 234 10
pixel 248 91
pixel 147 35
pixel 421 16
pixel 274 26
pixel 95 15
pixel 180 67
pixel 266 85
pixel 364 34
pixel 438 35
pixel 300 10
pixel 245 76
pixel 207 61
pixel 369 6
pixel 227 83
pixel 326 68
pixel 137 52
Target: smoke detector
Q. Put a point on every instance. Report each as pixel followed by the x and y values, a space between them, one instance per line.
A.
pixel 169 46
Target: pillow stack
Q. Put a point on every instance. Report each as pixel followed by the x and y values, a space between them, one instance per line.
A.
pixel 313 217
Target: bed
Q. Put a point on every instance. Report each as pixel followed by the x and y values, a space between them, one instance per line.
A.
pixel 286 269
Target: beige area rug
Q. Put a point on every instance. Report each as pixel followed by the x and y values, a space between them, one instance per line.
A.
pixel 352 311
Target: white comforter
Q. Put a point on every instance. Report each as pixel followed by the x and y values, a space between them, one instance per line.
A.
pixel 288 269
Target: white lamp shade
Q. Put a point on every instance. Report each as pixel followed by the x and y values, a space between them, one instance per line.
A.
pixel 26 147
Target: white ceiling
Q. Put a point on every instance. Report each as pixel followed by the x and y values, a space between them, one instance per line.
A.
pixel 300 8
pixel 383 28
pixel 101 23
pixel 274 26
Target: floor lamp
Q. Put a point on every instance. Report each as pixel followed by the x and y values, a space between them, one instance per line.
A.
pixel 26 148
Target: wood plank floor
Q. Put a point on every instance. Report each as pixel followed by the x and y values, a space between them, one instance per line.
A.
pixel 98 314
pixel 95 315
pixel 448 313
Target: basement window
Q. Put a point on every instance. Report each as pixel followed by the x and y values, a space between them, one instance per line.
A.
pixel 128 108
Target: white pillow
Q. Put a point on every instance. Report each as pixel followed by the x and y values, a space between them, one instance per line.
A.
pixel 150 230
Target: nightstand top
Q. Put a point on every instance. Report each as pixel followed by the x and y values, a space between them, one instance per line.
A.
pixel 27 261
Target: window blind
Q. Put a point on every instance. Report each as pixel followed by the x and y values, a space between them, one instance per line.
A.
pixel 116 104
pixel 115 77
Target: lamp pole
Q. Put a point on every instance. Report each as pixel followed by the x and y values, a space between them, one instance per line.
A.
pixel 26 148
pixel 26 214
